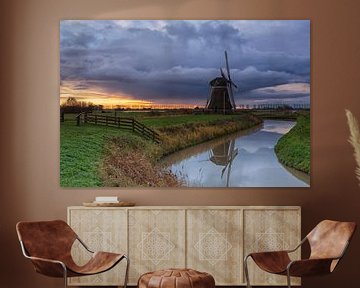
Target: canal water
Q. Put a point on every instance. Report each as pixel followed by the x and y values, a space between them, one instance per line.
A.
pixel 244 159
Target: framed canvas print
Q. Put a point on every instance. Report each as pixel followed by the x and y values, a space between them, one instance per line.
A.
pixel 180 103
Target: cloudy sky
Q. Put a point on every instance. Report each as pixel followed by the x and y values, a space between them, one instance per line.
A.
pixel 156 62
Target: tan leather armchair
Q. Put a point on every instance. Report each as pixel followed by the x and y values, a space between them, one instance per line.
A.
pixel 328 242
pixel 48 245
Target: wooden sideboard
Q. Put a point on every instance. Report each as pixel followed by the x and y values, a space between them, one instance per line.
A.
pixel 212 239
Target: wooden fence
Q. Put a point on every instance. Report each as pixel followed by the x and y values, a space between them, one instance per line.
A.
pixel 126 123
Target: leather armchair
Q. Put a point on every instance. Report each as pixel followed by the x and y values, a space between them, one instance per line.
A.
pixel 48 245
pixel 328 242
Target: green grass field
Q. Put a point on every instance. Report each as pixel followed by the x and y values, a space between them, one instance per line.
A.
pixel 81 150
pixel 293 149
pixel 279 114
pixel 164 119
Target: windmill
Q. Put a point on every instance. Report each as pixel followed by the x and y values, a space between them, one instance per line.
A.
pixel 221 94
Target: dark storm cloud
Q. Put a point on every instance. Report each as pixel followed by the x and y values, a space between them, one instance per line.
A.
pixel 251 78
pixel 260 95
pixel 174 60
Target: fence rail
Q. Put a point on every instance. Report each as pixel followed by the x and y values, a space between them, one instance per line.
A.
pixel 126 123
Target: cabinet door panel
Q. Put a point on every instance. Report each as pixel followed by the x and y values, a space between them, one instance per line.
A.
pixel 100 230
pixel 214 244
pixel 270 230
pixel 157 240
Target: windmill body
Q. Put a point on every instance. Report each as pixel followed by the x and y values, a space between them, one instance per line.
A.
pixel 221 94
pixel 219 98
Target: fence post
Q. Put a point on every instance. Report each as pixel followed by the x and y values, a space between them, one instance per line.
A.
pixel 133 124
pixel 95 119
pixel 118 121
pixel 62 115
pixel 85 117
pixel 78 120
pixel 106 120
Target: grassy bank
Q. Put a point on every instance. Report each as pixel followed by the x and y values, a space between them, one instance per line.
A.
pixel 94 156
pixel 130 161
pixel 293 149
pixel 178 137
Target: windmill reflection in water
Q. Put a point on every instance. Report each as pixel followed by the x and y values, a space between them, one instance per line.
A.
pixel 223 155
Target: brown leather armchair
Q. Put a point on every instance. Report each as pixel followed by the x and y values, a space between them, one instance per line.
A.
pixel 328 242
pixel 48 245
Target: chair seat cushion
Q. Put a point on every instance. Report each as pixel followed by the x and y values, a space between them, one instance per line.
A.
pixel 176 278
pixel 99 262
pixel 272 262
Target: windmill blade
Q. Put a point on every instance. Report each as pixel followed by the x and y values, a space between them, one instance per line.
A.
pixel 223 74
pixel 231 83
pixel 234 84
pixel 227 66
pixel 231 92
pixel 228 70
pixel 209 96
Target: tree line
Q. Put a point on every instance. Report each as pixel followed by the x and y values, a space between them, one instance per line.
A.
pixel 71 105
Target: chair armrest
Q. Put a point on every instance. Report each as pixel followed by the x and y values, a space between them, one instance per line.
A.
pixel 280 251
pixel 309 267
pixel 268 254
pixel 45 260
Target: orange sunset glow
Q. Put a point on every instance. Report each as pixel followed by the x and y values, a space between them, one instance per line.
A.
pixel 110 101
pixel 99 98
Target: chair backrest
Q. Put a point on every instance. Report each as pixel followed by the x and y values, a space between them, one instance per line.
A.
pixel 329 239
pixel 46 239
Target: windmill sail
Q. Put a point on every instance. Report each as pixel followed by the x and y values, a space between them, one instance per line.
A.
pixel 231 83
